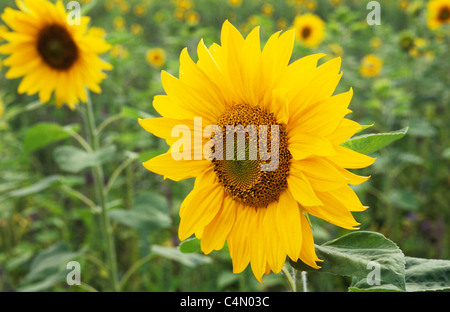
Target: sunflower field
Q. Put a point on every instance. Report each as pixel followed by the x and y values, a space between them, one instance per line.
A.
pixel 95 96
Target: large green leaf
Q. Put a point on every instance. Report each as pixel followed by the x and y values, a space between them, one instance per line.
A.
pixel 420 275
pixel 49 268
pixel 74 160
pixel 353 255
pixel 45 133
pixel 370 143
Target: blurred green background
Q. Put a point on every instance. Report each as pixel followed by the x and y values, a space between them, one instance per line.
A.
pixel 44 220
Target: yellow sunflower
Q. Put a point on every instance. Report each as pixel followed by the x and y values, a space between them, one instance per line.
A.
pixel 51 54
pixel 258 205
pixel 156 57
pixel 438 13
pixel 309 29
pixel 371 65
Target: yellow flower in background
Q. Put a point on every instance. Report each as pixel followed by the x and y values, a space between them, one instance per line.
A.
pixel 156 57
pixel 192 17
pixel 438 13
pixel 1 107
pixel 50 55
pixel 282 23
pixel 235 3
pixel 119 23
pixel 136 29
pixel 260 212
pixel 375 43
pixel 119 51
pixel 309 30
pixel 267 9
pixel 403 4
pixel 140 10
pixel 371 65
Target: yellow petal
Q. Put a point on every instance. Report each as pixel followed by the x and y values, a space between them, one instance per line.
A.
pixel 349 159
pixel 217 230
pixel 322 175
pixel 303 144
pixel 301 189
pixel 176 170
pixel 308 252
pixel 201 210
pixel 288 225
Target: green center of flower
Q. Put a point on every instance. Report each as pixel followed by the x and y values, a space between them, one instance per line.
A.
pixel 56 47
pixel 245 171
pixel 444 14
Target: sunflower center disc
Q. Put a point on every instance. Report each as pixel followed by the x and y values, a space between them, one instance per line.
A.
pixel 57 47
pixel 242 176
pixel 444 14
pixel 306 32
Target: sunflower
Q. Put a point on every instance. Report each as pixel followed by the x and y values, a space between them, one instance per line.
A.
pixel 156 57
pixel 371 65
pixel 438 13
pixel 309 29
pixel 51 54
pixel 262 213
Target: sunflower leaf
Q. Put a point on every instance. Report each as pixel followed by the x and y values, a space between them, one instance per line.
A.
pixel 420 275
pixel 190 245
pixel 45 133
pixel 365 255
pixel 370 143
pixel 74 160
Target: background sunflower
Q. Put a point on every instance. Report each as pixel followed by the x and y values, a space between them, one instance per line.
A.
pixel 52 55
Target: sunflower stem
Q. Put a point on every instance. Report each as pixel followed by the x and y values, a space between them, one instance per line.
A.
pixel 290 278
pixel 101 198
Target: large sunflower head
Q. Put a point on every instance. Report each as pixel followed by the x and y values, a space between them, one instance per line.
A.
pixel 309 29
pixel 51 54
pixel 438 13
pixel 262 137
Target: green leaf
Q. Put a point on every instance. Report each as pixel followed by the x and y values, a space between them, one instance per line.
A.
pixel 43 134
pixel 149 212
pixel 352 255
pixel 33 188
pixel 74 160
pixel 172 253
pixel 49 267
pixel 364 127
pixel 370 143
pixel 190 245
pixel 140 220
pixel 420 275
pixel 133 113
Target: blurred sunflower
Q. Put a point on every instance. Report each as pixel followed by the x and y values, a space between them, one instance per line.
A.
pixel 1 107
pixel 156 57
pixel 371 65
pixel 261 214
pixel 52 55
pixel 309 29
pixel 438 13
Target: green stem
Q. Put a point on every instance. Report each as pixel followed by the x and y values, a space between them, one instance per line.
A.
pixel 290 279
pixel 101 197
pixel 134 268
